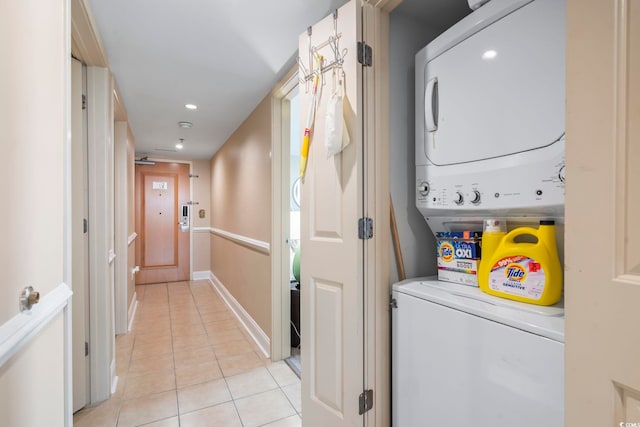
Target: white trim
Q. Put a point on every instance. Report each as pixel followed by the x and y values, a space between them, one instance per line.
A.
pixel 23 327
pixel 68 226
pixel 100 154
pixel 280 144
pixel 132 238
pixel 200 275
pixel 114 377
pixel 201 229
pixel 250 325
pixel 112 256
pixel 68 365
pixel 258 245
pixel 121 213
pixel 132 310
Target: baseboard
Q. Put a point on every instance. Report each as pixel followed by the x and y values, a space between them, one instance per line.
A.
pixel 261 339
pixel 133 307
pixel 114 377
pixel 200 275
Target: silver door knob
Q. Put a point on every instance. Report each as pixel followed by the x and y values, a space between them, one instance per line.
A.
pixel 28 297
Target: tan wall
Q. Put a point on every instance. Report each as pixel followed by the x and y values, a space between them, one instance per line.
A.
pixel 201 187
pixel 241 204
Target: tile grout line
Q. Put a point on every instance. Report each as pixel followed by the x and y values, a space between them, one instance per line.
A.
pixel 224 377
pixel 175 368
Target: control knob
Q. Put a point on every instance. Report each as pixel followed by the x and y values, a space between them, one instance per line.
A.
pixel 423 188
pixel 476 197
pixel 458 198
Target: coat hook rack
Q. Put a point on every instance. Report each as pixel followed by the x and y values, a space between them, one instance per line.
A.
pixel 306 73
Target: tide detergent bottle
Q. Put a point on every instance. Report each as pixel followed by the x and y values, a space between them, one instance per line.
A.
pixel 526 272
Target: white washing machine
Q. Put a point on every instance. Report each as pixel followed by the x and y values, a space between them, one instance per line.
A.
pixel 464 358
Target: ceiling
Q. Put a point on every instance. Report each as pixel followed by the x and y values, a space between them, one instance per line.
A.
pixel 222 55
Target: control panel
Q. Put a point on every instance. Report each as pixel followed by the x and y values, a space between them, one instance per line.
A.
pixel 533 186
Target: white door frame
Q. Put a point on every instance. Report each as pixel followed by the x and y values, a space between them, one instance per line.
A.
pixel 68 235
pixel 280 291
pixel 121 209
pixel 80 241
pixel 101 250
pixel 377 337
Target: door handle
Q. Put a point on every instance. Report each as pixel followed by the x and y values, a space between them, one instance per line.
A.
pixel 431 105
pixel 28 297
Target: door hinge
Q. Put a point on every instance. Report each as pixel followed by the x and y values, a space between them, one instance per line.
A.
pixel 365 401
pixel 85 226
pixel 365 54
pixel 393 303
pixel 84 101
pixel 365 228
pixel 86 348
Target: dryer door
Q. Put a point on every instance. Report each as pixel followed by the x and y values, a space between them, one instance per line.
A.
pixel 500 91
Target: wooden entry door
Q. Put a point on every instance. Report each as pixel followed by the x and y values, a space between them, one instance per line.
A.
pixel 602 260
pixel 161 192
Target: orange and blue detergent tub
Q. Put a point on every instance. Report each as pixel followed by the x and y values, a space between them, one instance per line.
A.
pixel 459 256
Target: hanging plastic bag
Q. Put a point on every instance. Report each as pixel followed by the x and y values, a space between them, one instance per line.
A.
pixel 336 137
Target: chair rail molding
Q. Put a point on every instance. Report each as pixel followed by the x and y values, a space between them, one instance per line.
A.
pixel 18 331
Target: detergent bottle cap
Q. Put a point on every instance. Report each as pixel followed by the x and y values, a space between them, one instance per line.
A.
pixel 494 225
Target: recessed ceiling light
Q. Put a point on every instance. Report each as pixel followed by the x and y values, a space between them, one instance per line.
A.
pixel 490 54
pixel 191 106
pixel 180 144
pixel 185 125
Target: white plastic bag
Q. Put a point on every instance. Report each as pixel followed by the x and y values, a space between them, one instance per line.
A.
pixel 336 136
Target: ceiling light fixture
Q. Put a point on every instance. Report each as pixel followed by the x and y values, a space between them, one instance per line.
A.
pixel 490 54
pixel 180 145
pixel 191 106
pixel 185 125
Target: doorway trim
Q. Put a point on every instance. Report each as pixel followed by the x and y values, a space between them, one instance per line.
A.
pixel 68 234
pixel 280 294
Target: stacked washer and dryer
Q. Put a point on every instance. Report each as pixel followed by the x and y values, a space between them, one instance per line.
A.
pixel 490 96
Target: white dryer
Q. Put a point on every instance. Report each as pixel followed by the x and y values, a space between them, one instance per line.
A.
pixel 490 95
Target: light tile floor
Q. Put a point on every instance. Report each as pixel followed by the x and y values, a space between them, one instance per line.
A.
pixel 188 363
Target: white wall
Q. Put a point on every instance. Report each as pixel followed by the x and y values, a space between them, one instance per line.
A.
pixel 407 36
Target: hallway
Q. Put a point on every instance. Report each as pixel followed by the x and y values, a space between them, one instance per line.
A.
pixel 187 362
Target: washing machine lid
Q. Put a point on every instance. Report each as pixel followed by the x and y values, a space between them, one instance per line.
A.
pixel 500 90
pixel 540 320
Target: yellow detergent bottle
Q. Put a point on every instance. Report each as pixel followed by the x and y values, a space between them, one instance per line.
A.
pixel 526 272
